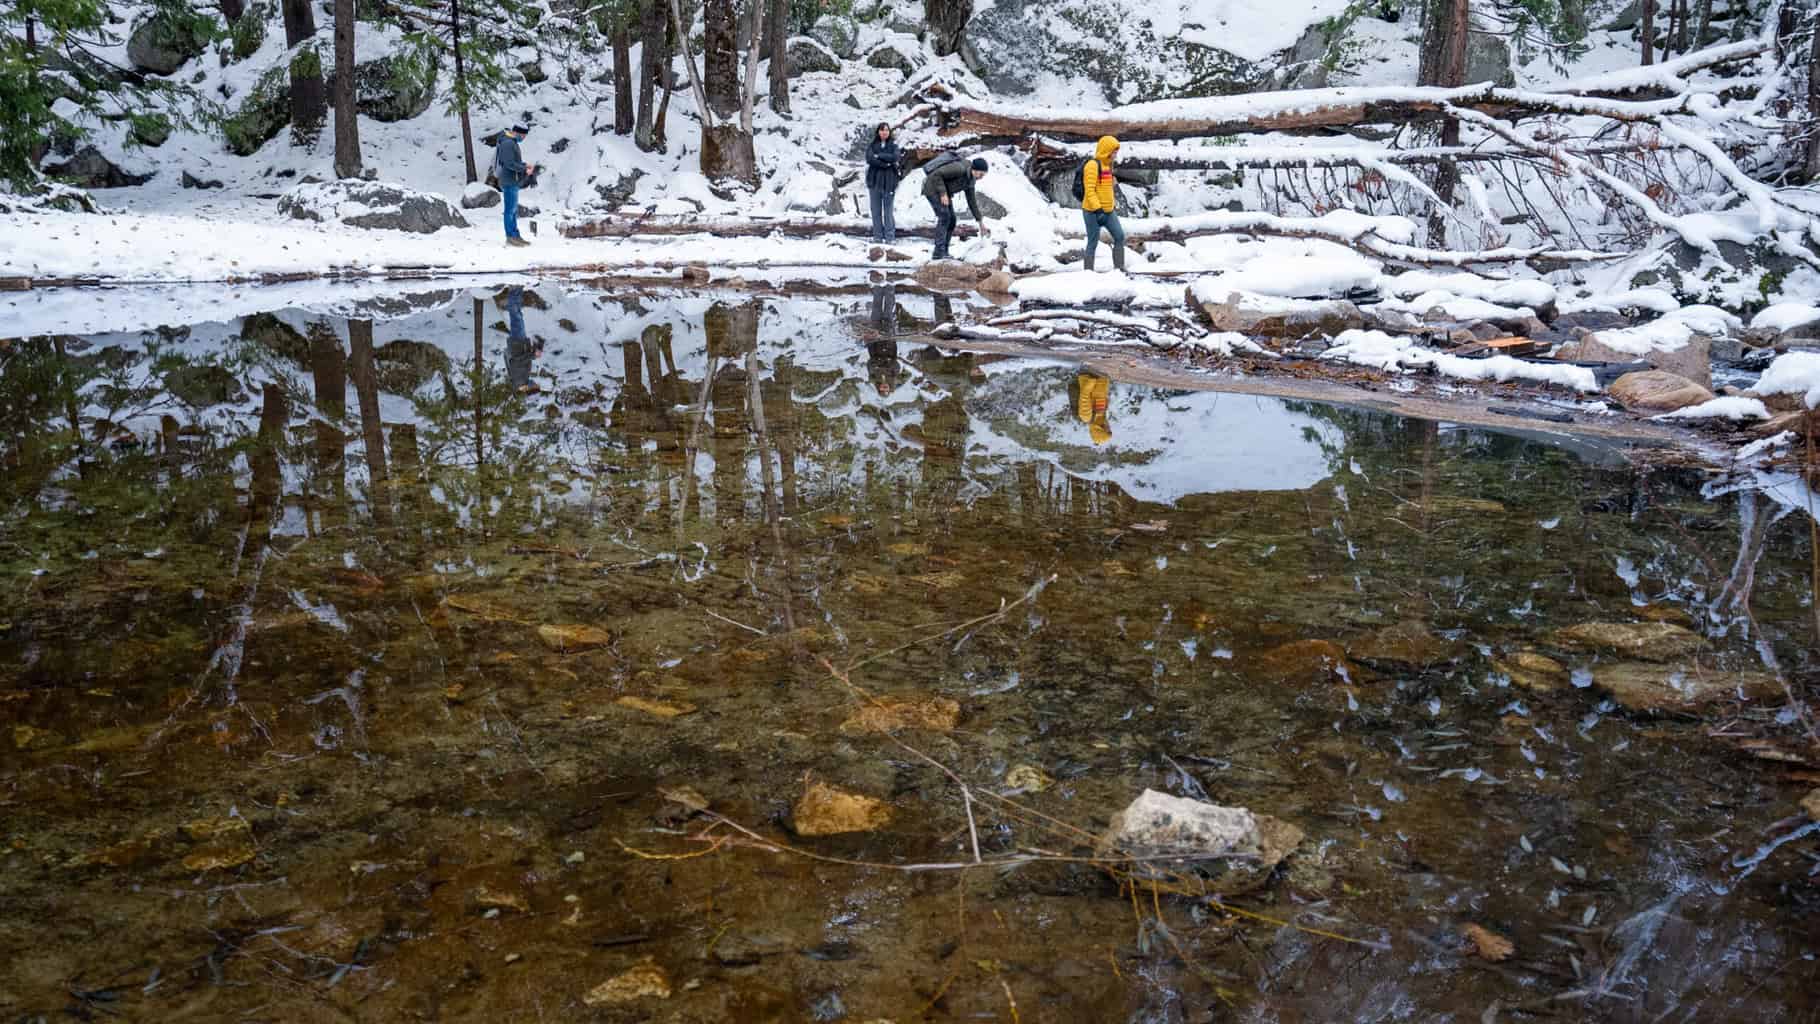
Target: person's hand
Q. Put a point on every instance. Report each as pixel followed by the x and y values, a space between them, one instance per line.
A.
pixel 985 232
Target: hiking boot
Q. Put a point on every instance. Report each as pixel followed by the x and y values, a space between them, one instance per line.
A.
pixel 1118 259
pixel 1087 260
pixel 517 242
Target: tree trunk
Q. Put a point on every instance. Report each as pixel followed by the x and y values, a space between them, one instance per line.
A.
pixel 946 21
pixel 461 85
pixel 299 22
pixel 1813 112
pixel 701 98
pixel 776 38
pixel 347 118
pixel 1444 64
pixel 754 43
pixel 1649 31
pixel 231 10
pixel 309 100
pixel 720 57
pixel 1573 19
pixel 622 79
pixel 31 34
pixel 309 97
pixel 726 152
pixel 651 47
pixel 1703 34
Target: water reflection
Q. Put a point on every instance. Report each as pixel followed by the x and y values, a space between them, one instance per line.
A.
pixel 315 701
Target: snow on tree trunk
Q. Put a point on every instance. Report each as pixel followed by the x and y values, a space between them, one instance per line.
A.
pixel 623 116
pixel 947 23
pixel 347 118
pixel 777 32
pixel 720 56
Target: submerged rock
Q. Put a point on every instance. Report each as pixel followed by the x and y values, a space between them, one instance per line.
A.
pixel 573 637
pixel 1658 391
pixel 1303 661
pixel 950 275
pixel 1643 686
pixel 1232 847
pixel 1812 805
pixel 645 980
pixel 1535 672
pixel 825 810
pixel 1649 641
pixel 886 714
pixel 1404 645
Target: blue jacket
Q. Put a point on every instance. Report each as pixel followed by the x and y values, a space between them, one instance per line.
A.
pixel 508 162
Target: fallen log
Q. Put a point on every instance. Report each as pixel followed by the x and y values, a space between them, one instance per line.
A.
pixel 1358 235
pixel 1301 111
pixel 742 227
pixel 1160 156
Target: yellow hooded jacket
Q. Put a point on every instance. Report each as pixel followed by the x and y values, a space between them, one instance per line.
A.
pixel 1096 177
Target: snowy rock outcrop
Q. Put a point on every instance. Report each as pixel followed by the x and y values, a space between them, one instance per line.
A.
pixel 88 168
pixel 1233 847
pixel 162 43
pixel 390 88
pixel 372 204
pixel 1163 50
pixel 477 196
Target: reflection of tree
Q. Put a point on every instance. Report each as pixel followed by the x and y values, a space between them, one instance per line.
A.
pixel 366 389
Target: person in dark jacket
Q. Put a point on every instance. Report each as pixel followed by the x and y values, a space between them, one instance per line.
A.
pixel 509 165
pixel 944 177
pixel 883 170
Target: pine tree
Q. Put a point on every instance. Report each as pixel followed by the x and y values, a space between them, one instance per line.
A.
pixel 475 37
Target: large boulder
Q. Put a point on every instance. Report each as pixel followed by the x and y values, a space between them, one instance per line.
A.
pixel 1153 51
pixel 395 87
pixel 1741 278
pixel 1232 848
pixel 890 56
pixel 87 168
pixel 1691 359
pixel 1274 317
pixel 805 56
pixel 372 204
pixel 838 33
pixel 165 41
pixel 1657 391
pixel 1488 60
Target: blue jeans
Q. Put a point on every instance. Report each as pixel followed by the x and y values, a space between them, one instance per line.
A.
pixel 511 194
pixel 884 218
pixel 1097 219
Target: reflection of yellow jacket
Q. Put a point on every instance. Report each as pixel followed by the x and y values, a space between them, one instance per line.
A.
pixel 1091 406
pixel 1096 177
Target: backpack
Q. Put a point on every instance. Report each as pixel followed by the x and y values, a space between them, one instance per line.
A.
pixel 941 161
pixel 1079 188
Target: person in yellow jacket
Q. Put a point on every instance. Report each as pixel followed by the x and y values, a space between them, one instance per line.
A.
pixel 1093 395
pixel 1099 202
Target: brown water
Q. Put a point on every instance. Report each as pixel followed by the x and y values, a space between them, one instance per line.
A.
pixel 288 736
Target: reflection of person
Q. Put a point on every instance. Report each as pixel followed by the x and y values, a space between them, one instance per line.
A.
pixel 882 366
pixel 520 351
pixel 1091 400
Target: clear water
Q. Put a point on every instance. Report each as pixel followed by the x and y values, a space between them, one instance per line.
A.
pixel 284 740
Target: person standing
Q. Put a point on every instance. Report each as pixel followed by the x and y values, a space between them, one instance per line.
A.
pixel 943 178
pixel 510 167
pixel 1099 202
pixel 883 171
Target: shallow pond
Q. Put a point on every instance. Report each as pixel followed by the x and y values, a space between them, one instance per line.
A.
pixel 374 665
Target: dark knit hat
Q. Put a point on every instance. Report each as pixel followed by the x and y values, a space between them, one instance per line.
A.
pixel 519 129
pixel 979 163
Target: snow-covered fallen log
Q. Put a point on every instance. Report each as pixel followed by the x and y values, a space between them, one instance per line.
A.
pixel 1167 156
pixel 960 120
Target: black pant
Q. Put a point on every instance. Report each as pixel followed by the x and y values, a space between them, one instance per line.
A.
pixel 944 225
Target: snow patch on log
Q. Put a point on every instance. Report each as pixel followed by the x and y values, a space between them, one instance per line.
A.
pixel 1381 351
